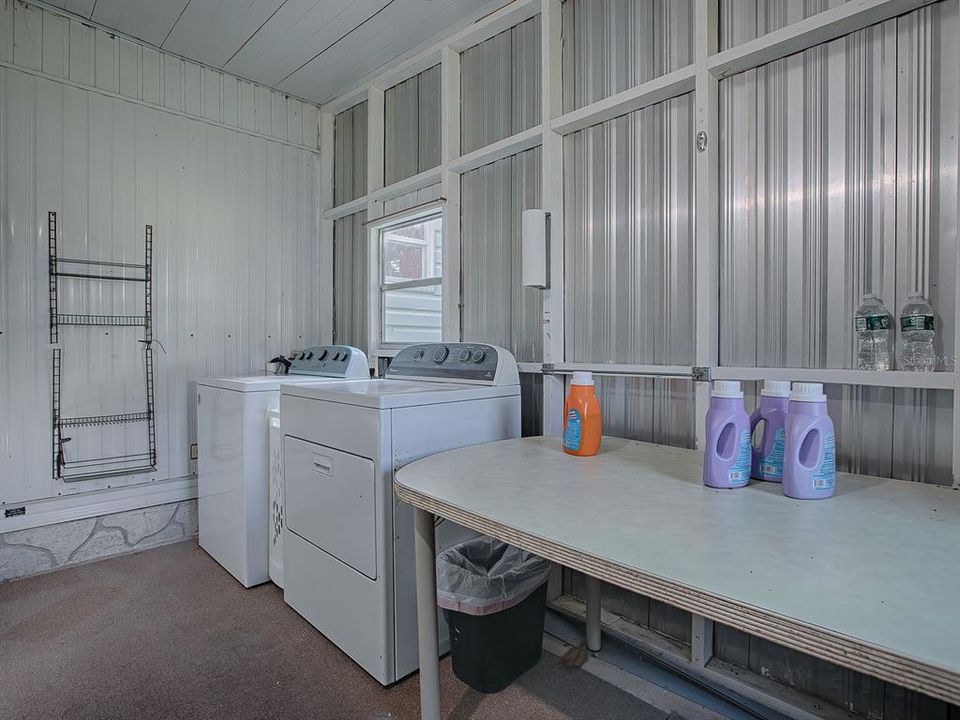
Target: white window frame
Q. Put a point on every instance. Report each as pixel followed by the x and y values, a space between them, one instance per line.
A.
pixel 375 228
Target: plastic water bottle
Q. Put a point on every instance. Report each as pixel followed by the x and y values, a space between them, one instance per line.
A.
pixel 726 457
pixel 810 456
pixel 916 335
pixel 872 325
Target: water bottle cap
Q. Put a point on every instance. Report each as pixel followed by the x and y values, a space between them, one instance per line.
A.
pixel 582 378
pixel 727 389
pixel 776 388
pixel 808 392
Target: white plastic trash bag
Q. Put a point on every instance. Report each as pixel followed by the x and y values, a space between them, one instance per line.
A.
pixel 484 576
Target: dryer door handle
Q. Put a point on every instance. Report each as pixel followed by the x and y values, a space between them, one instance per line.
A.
pixel 323 464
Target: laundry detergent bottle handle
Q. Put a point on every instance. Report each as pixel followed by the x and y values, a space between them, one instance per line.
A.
pixel 726 457
pixel 582 420
pixel 767 457
pixel 810 461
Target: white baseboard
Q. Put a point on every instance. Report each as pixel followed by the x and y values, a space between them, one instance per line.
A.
pixel 39 513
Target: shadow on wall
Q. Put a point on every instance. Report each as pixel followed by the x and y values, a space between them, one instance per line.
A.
pixel 28 552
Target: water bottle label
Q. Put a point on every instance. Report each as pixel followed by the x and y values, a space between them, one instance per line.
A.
pixel 916 322
pixel 826 475
pixel 573 432
pixel 740 470
pixel 863 323
pixel 771 467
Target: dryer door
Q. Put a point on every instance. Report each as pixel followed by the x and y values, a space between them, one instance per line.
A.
pixel 329 502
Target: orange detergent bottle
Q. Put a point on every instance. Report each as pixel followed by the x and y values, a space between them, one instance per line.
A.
pixel 581 417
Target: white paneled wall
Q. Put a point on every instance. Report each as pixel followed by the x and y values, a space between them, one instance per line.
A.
pixel 44 41
pixel 113 136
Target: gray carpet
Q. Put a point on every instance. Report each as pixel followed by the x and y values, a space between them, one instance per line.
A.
pixel 167 633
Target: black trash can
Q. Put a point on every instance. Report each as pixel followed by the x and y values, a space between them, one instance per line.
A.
pixel 493 596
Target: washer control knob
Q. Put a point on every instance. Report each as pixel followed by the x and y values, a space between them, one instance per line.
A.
pixel 308 355
pixel 464 355
pixel 322 355
pixel 478 355
pixel 418 354
pixel 441 354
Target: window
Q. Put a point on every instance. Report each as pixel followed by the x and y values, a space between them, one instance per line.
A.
pixel 411 279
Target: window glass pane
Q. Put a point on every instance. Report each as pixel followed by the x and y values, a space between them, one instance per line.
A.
pixel 412 251
pixel 412 315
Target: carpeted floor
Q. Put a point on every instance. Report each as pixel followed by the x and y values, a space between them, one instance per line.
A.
pixel 167 633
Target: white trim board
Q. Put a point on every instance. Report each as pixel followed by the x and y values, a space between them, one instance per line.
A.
pixel 100 502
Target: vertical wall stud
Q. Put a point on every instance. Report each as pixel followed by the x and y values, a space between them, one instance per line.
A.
pixel 701 640
pixel 707 239
pixel 375 156
pixel 552 201
pixel 450 189
pixel 327 150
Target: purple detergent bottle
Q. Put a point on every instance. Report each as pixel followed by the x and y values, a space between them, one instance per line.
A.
pixel 810 459
pixel 768 454
pixel 726 457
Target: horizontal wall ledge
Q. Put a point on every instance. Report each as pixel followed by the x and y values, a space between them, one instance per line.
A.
pixel 807 33
pixel 408 185
pixel 839 376
pixel 673 84
pixel 347 208
pixel 682 372
pixel 497 151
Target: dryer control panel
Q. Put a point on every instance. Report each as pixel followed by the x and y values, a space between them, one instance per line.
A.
pixel 455 362
pixel 338 361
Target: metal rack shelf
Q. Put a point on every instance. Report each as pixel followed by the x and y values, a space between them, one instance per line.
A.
pixel 91 420
pixel 73 470
pixel 103 320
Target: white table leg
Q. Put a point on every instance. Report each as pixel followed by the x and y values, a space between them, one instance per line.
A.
pixel 428 644
pixel 593 614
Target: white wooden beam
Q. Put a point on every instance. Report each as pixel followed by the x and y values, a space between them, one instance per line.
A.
pixel 809 32
pixel 707 236
pixel 347 208
pixel 325 281
pixel 701 640
pixel 840 376
pixel 450 188
pixel 956 321
pixel 671 85
pixel 497 151
pixel 551 200
pixel 410 184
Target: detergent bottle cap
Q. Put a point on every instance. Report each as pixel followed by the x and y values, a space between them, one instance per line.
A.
pixel 727 389
pixel 582 378
pixel 776 388
pixel 808 392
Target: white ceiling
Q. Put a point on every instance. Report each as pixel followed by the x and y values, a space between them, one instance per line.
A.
pixel 314 49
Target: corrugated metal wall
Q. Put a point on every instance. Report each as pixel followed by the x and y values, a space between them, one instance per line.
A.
pixel 500 86
pixel 839 178
pixel 629 204
pixel 351 273
pixel 412 126
pixel 612 45
pixel 45 41
pixel 350 154
pixel 235 221
pixel 496 307
pixel 743 20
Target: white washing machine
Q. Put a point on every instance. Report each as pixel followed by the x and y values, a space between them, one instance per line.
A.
pixel 348 544
pixel 233 465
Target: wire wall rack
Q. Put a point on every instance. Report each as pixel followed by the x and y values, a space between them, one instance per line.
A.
pixel 77 469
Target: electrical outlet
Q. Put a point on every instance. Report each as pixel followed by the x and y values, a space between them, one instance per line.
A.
pixel 193 451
